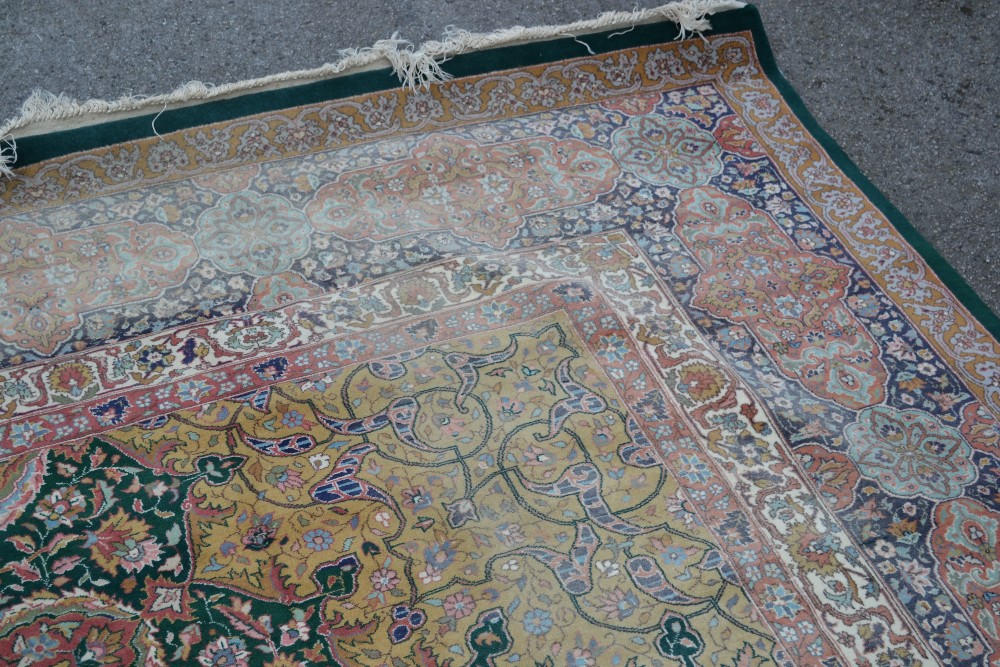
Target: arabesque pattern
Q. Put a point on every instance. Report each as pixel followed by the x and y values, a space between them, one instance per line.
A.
pixel 596 362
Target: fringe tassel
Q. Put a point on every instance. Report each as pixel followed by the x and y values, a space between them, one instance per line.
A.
pixel 417 68
pixel 8 156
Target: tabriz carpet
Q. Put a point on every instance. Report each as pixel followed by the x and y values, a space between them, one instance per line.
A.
pixel 578 358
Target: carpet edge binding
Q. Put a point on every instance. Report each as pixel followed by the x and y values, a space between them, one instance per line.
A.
pixel 416 67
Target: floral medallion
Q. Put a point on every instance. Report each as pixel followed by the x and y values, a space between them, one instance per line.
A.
pixel 910 453
pixel 667 151
pixel 257 234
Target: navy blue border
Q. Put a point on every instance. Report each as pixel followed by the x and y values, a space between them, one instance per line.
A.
pixel 33 149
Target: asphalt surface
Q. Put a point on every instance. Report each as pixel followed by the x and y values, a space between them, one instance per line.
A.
pixel 908 89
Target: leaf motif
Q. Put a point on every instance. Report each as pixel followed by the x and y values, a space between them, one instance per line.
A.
pixel 173 535
pixel 244 623
pixel 748 657
pixel 23 543
pixel 26 571
pixel 255 470
pixel 104 498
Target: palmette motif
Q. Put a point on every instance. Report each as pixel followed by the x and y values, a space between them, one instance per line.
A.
pixel 596 362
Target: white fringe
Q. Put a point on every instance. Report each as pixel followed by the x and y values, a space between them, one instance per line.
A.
pixel 8 156
pixel 415 67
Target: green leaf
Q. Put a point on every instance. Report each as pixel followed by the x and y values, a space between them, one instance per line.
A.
pixel 173 535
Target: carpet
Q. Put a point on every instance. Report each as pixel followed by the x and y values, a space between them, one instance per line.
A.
pixel 593 350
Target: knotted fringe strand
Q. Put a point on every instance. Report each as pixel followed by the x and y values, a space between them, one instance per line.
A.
pixel 415 67
pixel 8 156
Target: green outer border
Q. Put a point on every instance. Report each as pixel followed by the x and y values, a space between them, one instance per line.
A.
pixel 951 279
pixel 37 148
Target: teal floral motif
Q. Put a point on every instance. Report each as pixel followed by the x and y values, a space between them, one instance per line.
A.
pixel 664 150
pixel 679 641
pixel 253 233
pixel 489 638
pixel 910 453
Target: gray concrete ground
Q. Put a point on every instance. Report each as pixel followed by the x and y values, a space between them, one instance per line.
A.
pixel 909 89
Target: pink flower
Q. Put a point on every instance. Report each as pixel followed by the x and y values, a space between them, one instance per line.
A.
pixel 136 555
pixel 416 498
pixel 284 478
pixel 384 579
pixel 459 605
pixel 510 534
pixel 429 575
pixel 190 635
pixel 918 576
pixel 294 632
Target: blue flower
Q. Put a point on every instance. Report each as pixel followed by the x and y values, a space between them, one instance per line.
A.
pixel 674 556
pixel 497 313
pixel 694 470
pixel 756 265
pixel 782 602
pixel 39 648
pixel 192 390
pixel 349 349
pixel 318 539
pixel 612 348
pixel 440 555
pixel 538 621
pixel 292 419
pixel 789 306
pixel 25 433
